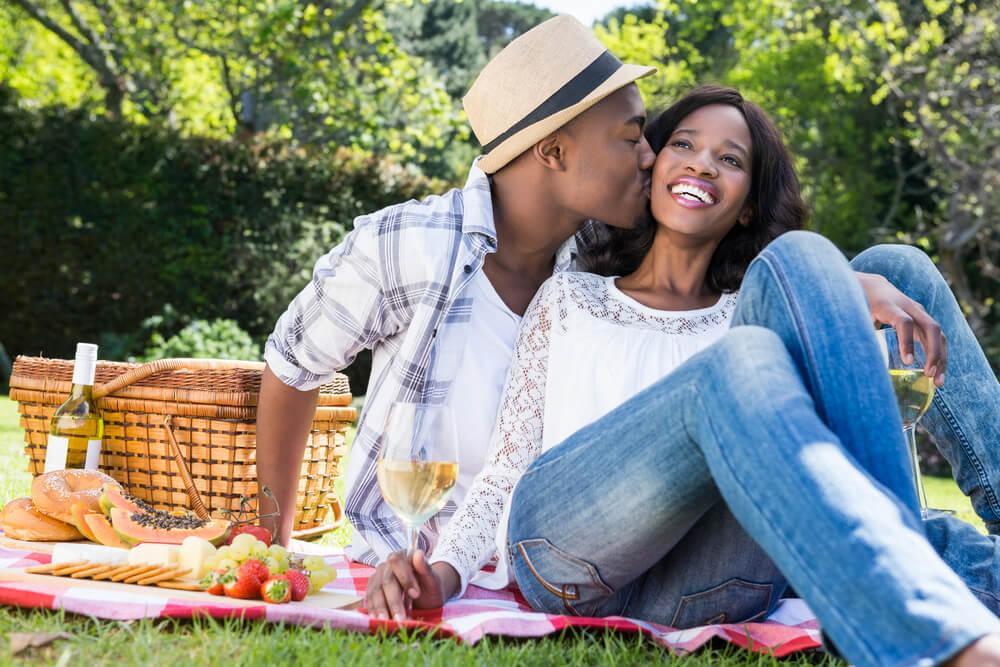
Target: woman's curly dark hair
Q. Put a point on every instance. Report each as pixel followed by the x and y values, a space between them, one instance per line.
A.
pixel 774 198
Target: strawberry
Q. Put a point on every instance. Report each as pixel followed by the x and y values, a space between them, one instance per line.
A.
pixel 261 533
pixel 257 567
pixel 215 581
pixel 247 580
pixel 276 590
pixel 299 584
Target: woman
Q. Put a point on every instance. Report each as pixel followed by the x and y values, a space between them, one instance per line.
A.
pixel 601 495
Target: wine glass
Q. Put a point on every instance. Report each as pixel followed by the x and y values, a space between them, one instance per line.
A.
pixel 914 393
pixel 418 462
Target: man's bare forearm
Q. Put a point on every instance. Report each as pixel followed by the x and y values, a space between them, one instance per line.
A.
pixel 284 417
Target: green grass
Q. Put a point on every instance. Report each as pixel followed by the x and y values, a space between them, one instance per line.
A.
pixel 207 641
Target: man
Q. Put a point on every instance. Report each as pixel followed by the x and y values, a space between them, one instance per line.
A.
pixel 422 283
pixel 436 288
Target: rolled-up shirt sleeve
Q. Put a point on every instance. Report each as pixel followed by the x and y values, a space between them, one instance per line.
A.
pixel 340 312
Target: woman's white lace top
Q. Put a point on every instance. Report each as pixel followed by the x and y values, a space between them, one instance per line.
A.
pixel 583 349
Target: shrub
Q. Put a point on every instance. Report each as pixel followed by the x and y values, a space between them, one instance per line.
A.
pixel 103 222
pixel 201 339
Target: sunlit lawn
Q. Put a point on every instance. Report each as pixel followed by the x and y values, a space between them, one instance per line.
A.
pixel 207 642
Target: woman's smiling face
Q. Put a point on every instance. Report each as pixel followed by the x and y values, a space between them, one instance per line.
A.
pixel 702 177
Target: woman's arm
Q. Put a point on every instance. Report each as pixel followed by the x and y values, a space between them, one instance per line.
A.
pixel 469 539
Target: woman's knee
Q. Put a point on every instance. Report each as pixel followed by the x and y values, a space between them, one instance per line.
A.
pixel 803 243
pixel 802 258
pixel 897 262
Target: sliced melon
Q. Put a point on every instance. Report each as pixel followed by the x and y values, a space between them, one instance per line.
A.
pixel 139 527
pixel 103 531
pixel 78 511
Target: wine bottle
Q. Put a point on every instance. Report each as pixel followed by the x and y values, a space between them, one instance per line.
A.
pixel 77 427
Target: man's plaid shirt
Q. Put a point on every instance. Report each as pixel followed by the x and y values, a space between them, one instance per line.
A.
pixel 392 286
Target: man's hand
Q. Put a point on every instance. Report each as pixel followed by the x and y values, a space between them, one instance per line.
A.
pixel 401 582
pixel 890 306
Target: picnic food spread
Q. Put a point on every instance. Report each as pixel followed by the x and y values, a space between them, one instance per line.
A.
pixel 248 568
pixel 137 541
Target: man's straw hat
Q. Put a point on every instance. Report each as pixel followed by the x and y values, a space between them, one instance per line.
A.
pixel 538 83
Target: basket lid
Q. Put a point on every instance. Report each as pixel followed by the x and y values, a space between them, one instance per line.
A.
pixel 218 381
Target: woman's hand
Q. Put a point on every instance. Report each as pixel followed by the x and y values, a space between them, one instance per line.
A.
pixel 890 306
pixel 401 582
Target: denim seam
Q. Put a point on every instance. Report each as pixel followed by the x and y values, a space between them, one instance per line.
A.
pixel 980 591
pixel 949 417
pixel 834 609
pixel 793 307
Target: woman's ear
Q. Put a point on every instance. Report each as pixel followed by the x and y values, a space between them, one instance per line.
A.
pixel 746 215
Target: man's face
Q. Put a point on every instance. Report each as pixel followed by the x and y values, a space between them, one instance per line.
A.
pixel 608 161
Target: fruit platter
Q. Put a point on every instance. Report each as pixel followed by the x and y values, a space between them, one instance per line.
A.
pixel 96 531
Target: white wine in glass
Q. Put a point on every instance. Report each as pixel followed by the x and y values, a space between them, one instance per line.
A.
pixel 418 463
pixel 914 394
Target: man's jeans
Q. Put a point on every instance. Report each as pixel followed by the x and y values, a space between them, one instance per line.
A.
pixel 785 430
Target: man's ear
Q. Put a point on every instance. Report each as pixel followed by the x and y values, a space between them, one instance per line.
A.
pixel 551 151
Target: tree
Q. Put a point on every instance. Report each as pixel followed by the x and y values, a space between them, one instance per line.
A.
pixel 317 72
pixel 120 41
pixel 498 22
pixel 937 66
pixel 444 33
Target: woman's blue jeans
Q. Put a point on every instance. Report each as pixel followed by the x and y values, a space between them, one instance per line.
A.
pixel 790 421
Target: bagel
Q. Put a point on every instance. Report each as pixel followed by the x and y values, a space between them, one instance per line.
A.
pixel 22 521
pixel 53 493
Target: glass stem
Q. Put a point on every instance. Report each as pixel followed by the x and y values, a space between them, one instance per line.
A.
pixel 911 441
pixel 412 533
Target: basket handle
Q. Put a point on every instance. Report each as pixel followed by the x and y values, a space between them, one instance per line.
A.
pixel 153 367
pixel 196 502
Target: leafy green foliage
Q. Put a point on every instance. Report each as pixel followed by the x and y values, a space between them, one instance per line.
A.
pixel 316 72
pixel 104 222
pixel 203 339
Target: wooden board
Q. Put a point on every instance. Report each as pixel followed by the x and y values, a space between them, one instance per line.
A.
pixel 294 546
pixel 321 600
pixel 35 547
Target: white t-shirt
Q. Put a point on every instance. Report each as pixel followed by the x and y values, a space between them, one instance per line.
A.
pixel 482 369
pixel 584 348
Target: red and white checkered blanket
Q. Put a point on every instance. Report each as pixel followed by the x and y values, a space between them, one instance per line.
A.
pixel 792 627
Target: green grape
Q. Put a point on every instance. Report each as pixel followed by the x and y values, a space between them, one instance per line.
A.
pixel 222 552
pixel 244 542
pixel 227 564
pixel 274 565
pixel 239 553
pixel 313 563
pixel 278 551
pixel 321 577
pixel 258 550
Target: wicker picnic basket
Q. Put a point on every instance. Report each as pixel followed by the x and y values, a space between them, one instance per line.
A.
pixel 181 433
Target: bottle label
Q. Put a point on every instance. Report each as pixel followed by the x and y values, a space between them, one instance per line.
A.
pixel 57 450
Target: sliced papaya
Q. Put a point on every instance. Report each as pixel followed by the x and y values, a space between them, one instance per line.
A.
pixel 113 495
pixel 139 527
pixel 78 511
pixel 103 531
